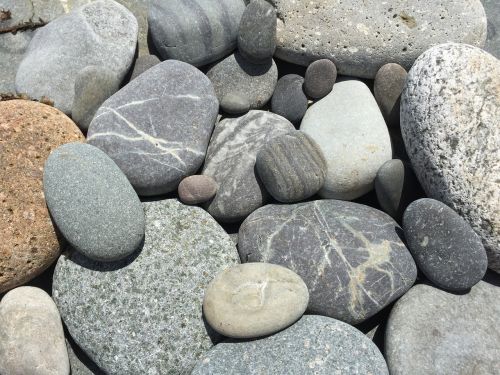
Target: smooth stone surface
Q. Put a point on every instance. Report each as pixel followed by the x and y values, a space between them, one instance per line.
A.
pixel 29 131
pixel 493 37
pixel 361 36
pixel 351 132
pixel 142 64
pixel 234 104
pixel 314 345
pixel 350 256
pixel 288 98
pixel 291 167
pixel 19 14
pixel 92 203
pixel 102 33
pixel 230 160
pixel 388 86
pixel 444 246
pixel 143 315
pixel 197 31
pixel 12 49
pixel 450 111
pixel 432 332
pixel 197 189
pixel 320 78
pixel 31 334
pixel 157 127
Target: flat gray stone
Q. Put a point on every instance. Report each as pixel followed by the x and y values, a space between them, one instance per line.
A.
pixel 157 127
pixel 320 78
pixel 388 86
pixel 350 256
pixel 289 99
pixel 144 63
pixel 143 315
pixel 493 15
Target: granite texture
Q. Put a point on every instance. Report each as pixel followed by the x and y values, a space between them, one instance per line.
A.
pixel 79 363
pixel 388 86
pixel 143 63
pixel 492 9
pixel 289 99
pixel 320 78
pixel 197 189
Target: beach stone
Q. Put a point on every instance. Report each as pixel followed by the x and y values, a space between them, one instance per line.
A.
pixel 493 37
pixel 19 14
pixel 362 36
pixel 433 332
pixel 313 345
pixel 320 78
pixel 230 161
pixel 29 131
pixel 288 98
pixel 450 111
pixel 198 32
pixel 197 189
pixel 158 126
pixel 143 315
pixel 102 33
pixel 291 167
pixel 142 64
pixel 234 104
pixel 444 246
pixel 31 334
pixel 236 76
pixel 351 132
pixel 388 86
pixel 12 49
pixel 92 203
pixel 79 363
pixel 350 256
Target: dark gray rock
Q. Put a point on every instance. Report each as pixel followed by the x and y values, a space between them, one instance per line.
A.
pixel 320 78
pixel 234 104
pixel 197 189
pixel 142 64
pixel 350 256
pixel 289 99
pixel 388 86
pixel 314 345
pixel 493 38
pixel 291 167
pixel 19 14
pixel 157 127
pixel 92 203
pixel 444 246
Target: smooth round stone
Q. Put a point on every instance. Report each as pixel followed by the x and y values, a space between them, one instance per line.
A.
pixel 197 189
pixel 29 131
pixel 92 203
pixel 291 167
pixel 288 99
pixel 443 245
pixel 257 32
pixel 320 78
pixel 314 345
pixel 388 86
pixel 142 64
pixel 234 104
pixel 31 334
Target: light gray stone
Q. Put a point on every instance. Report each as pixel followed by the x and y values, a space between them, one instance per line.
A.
pixel 12 49
pixel 19 14
pixel 493 15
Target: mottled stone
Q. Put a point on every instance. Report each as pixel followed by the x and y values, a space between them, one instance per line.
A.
pixel 450 111
pixel 289 99
pixel 320 78
pixel 350 256
pixel 197 189
pixel 19 14
pixel 234 104
pixel 157 127
pixel 388 86
pixel 493 37
pixel 143 315
pixel 142 64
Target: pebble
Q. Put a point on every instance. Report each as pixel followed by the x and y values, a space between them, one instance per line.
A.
pixel 291 167
pixel 142 64
pixel 289 99
pixel 388 86
pixel 197 189
pixel 92 203
pixel 320 78
pixel 493 37
pixel 234 104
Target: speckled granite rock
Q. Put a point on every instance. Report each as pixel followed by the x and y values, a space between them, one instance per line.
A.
pixel 79 362
pixel 493 15
pixel 356 263
pixel 450 121
pixel 144 314
pixel 314 345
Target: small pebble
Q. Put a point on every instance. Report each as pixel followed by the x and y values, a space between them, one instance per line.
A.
pixel 320 78
pixel 388 86
pixel 142 64
pixel 289 99
pixel 197 189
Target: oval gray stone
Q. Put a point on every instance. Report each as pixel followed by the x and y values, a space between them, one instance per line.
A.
pixel 197 189
pixel 388 86
pixel 234 104
pixel 320 78
pixel 289 99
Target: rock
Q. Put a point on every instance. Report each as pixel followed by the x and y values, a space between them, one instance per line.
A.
pixel 432 332
pixel 197 32
pixel 157 127
pixel 143 314
pixel 32 337
pixel 230 160
pixel 356 263
pixel 364 35
pixel 315 344
pixel 102 33
pixel 450 111
pixel 254 299
pixel 351 132
pixel 28 132
pixel 12 49
pixel 493 36
pixel 80 364
pixel 197 189
pixel 142 64
pixel 235 76
pixel 291 167
pixel 21 14
pixel 235 104
pixel 320 78
pixel 388 86
pixel 288 99
pixel 93 85
pixel 257 32
pixel 444 246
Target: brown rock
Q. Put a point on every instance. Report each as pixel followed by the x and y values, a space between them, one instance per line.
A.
pixel 197 189
pixel 29 131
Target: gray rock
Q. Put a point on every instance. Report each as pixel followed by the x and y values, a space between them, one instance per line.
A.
pixel 289 99
pixel 79 362
pixel 142 64
pixel 12 49
pixel 31 334
pixel 314 345
pixel 450 111
pixel 291 167
pixel 361 36
pixel 350 256
pixel 143 315
pixel 493 15
pixel 102 33
pixel 320 78
pixel 157 127
pixel 351 132
pixel 197 189
pixel 236 76
pixel 19 14
pixel 234 104
pixel 197 31
pixel 388 86
pixel 92 203
pixel 432 332
pixel 231 158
